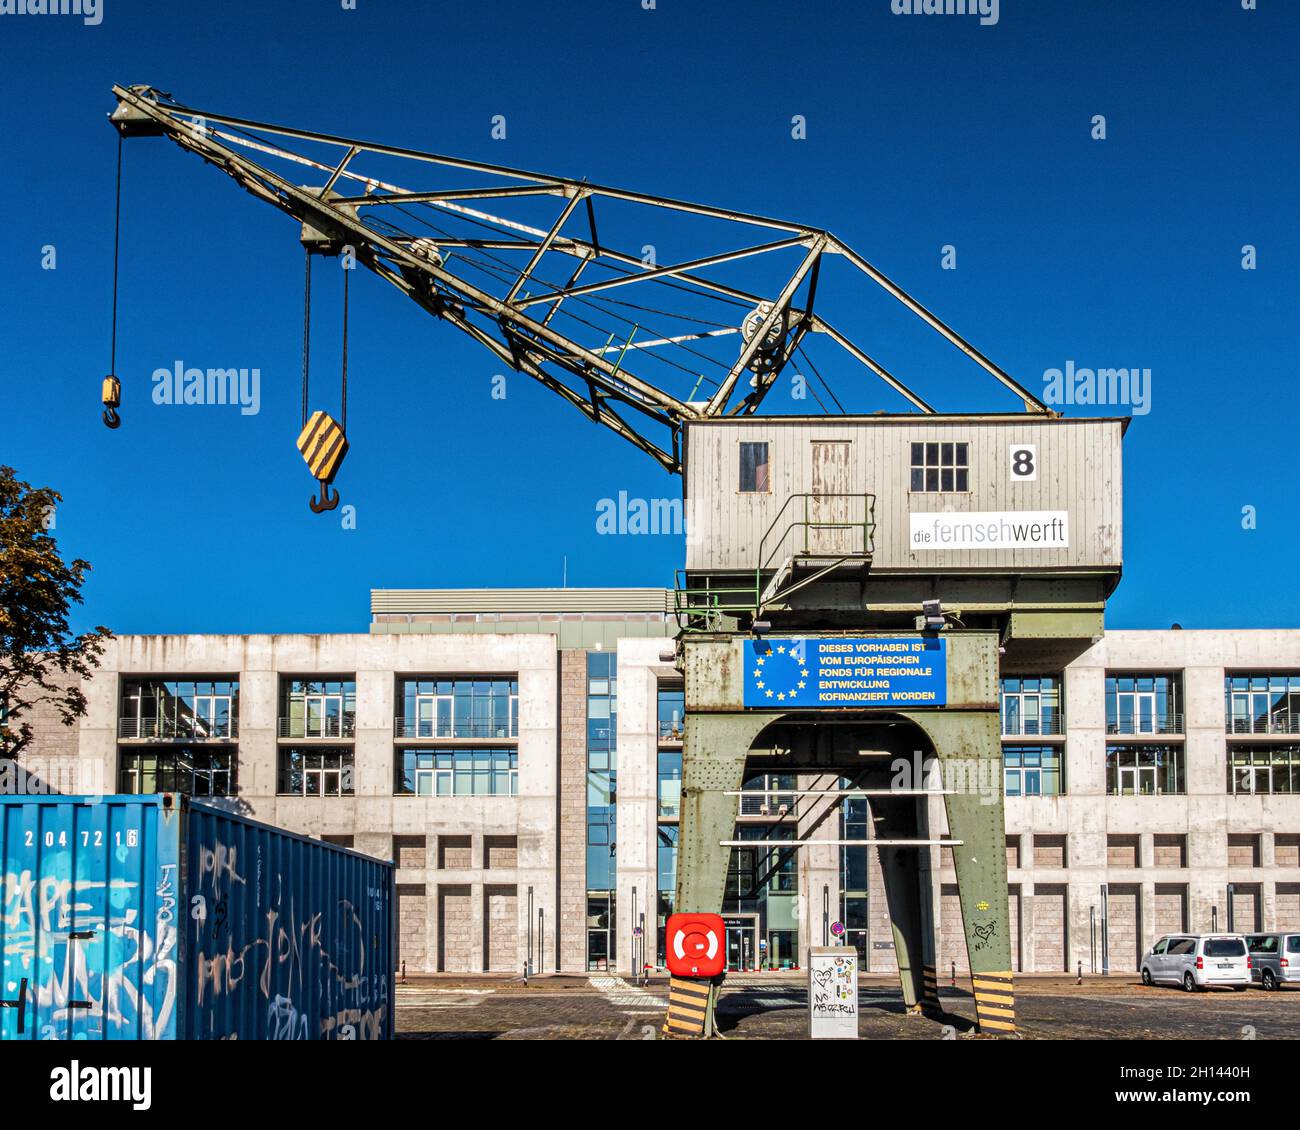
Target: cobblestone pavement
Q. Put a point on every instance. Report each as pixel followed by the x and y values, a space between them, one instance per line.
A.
pixel 772 1006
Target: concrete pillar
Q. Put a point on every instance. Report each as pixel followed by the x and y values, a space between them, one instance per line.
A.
pixel 638 800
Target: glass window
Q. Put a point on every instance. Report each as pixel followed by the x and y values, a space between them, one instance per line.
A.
pixel 754 471
pixel 1145 770
pixel 195 771
pixel 187 709
pixel 1144 704
pixel 602 774
pixel 318 708
pixel 1263 769
pixel 670 784
pixel 1262 703
pixel 1032 770
pixel 315 771
pixel 456 772
pixel 458 708
pixel 940 467
pixel 672 713
pixel 1031 706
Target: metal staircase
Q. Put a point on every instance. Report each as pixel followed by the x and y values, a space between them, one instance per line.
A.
pixel 811 537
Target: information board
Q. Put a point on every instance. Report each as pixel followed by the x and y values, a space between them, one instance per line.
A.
pixel 833 993
pixel 863 671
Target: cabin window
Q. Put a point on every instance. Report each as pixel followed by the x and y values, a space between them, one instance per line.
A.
pixel 754 474
pixel 939 467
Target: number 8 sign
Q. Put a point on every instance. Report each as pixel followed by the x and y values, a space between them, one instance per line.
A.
pixel 1024 462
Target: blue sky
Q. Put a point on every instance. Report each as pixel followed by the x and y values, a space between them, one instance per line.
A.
pixel 921 131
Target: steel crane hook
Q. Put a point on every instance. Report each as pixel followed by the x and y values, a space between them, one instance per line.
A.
pixel 328 499
pixel 112 419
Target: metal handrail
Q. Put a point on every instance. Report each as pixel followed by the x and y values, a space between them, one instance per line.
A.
pixel 1051 727
pixel 168 729
pixel 1163 724
pixel 404 729
pixel 297 728
pixel 712 602
pixel 708 601
pixel 777 806
pixel 867 526
pixel 1288 723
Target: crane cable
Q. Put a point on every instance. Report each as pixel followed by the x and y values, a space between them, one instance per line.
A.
pixel 343 397
pixel 111 392
pixel 323 441
pixel 306 329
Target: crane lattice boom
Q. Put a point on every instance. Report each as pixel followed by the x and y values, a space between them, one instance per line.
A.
pixel 525 263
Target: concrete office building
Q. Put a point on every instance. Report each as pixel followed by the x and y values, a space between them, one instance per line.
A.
pixel 518 753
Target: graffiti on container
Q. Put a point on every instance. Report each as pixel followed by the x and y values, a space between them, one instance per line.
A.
pixel 308 966
pixel 284 1022
pixel 82 940
pixel 218 863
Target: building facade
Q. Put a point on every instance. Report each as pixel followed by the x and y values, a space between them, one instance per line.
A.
pixel 519 752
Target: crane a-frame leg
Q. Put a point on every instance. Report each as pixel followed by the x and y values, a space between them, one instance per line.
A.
pixel 713 763
pixel 970 757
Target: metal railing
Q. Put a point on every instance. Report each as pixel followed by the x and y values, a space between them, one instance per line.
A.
pixel 1267 724
pixel 167 729
pixel 851 545
pixel 777 806
pixel 672 731
pixel 321 728
pixel 1140 727
pixel 707 607
pixel 415 728
pixel 1050 726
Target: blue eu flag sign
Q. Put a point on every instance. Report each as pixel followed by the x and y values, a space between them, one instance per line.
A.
pixel 839 672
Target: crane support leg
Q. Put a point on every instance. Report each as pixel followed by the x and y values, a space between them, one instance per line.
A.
pixel 970 758
pixel 902 892
pixel 713 763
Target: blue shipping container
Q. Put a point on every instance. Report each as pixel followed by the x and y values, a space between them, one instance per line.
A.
pixel 160 918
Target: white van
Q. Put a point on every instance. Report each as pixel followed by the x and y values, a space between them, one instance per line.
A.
pixel 1198 961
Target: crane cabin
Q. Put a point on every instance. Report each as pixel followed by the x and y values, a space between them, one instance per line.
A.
pixel 1012 522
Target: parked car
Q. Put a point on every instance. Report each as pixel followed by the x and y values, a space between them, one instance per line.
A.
pixel 1198 961
pixel 1274 958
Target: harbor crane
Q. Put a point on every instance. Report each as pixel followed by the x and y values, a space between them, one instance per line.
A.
pixel 825 639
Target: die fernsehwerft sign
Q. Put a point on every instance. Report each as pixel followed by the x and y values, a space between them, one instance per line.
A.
pixel 864 671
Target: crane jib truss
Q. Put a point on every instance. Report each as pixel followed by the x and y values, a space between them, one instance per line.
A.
pixel 428 243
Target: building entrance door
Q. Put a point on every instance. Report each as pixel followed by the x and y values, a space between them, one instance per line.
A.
pixel 742 944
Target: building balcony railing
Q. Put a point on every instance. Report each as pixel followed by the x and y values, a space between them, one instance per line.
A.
pixel 432 731
pixel 1266 724
pixel 776 806
pixel 672 731
pixel 317 728
pixel 1049 726
pixel 167 729
pixel 1146 727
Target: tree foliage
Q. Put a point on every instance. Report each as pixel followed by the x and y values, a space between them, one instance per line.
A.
pixel 40 659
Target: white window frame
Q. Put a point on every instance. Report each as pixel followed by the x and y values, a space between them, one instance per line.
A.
pixel 321 702
pixel 212 700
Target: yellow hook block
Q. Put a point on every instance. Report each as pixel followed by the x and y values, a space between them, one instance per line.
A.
pixel 323 446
